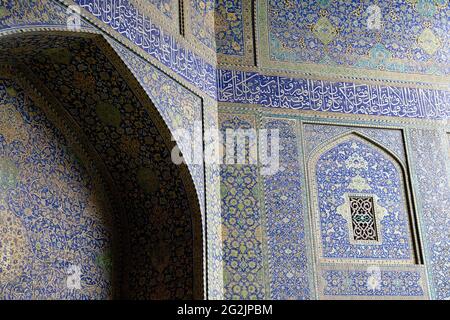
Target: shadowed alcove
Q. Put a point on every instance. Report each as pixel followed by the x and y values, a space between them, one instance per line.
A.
pixel 111 208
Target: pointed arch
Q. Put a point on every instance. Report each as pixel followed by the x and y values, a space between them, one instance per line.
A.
pixel 29 40
pixel 362 136
pixel 348 181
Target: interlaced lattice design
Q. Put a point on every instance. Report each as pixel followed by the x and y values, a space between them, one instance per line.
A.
pixel 363 218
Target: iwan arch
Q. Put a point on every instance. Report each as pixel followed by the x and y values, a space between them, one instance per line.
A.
pixel 93 207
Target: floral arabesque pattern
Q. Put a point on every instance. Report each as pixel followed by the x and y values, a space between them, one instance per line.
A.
pixel 52 215
pixel 337 173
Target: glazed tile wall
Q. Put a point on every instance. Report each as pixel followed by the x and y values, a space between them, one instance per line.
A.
pixel 200 22
pixel 176 110
pixel 234 32
pixel 214 244
pixel 432 185
pixel 412 36
pixel 289 270
pixel 190 60
pixel 55 221
pixel 339 97
pixel 317 134
pixel 351 164
pixel 254 87
pixel 230 27
pixel 123 132
pixel 14 14
pixel 138 26
pixel 337 274
pixel 289 265
pixel 180 109
pixel 183 110
pixel 397 283
pixel 169 8
pixel 150 77
pixel 264 236
pixel 242 230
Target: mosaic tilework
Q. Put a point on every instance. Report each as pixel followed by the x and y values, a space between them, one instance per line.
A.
pixel 168 8
pixel 289 264
pixel 129 21
pixel 123 133
pixel 15 13
pixel 200 21
pixel 272 91
pixel 229 27
pixel 179 108
pixel 214 215
pixel 138 27
pixel 402 281
pixel 214 246
pixel 448 137
pixel 396 283
pixel 177 105
pixel 234 34
pixel 315 134
pixel 241 223
pixel 52 214
pixel 432 186
pixel 340 97
pixel 412 36
pixel 352 165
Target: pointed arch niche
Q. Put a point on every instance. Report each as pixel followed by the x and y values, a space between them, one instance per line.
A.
pixel 83 90
pixel 360 204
